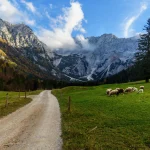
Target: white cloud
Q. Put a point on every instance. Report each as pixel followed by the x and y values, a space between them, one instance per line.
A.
pixel 57 39
pixel 10 13
pixel 63 26
pixel 47 15
pixel 15 3
pixel 51 6
pixel 29 22
pixel 85 42
pixel 128 31
pixel 29 6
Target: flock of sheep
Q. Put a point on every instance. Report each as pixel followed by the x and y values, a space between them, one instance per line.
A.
pixel 118 91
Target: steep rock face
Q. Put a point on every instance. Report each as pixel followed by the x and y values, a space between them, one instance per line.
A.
pixel 19 35
pixel 26 47
pixel 109 56
pixel 73 65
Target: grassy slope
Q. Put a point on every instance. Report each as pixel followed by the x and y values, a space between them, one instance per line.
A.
pixel 121 122
pixel 14 101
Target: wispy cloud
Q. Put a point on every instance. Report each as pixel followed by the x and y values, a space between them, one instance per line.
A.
pixel 129 21
pixel 10 12
pixel 29 6
pixel 51 6
pixel 29 22
pixel 85 43
pixel 63 26
pixel 15 3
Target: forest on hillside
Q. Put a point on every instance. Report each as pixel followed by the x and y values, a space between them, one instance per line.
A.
pixel 16 76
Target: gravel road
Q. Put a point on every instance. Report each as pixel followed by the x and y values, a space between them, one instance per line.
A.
pixel 36 126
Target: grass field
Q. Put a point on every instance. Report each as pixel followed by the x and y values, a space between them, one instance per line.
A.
pixel 97 121
pixel 13 101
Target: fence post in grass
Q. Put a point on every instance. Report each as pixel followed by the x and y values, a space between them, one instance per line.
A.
pixel 25 94
pixel 69 104
pixel 60 94
pixel 19 93
pixel 6 103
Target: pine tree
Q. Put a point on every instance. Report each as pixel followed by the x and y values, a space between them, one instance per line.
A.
pixel 143 54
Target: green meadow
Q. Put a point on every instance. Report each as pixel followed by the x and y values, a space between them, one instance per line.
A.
pixel 14 102
pixel 99 122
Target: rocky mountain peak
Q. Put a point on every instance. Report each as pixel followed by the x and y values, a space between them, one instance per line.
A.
pixel 108 36
pixel 22 28
pixel 109 56
pixel 18 35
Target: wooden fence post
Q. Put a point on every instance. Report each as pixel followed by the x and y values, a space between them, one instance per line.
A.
pixel 19 92
pixel 25 94
pixel 6 103
pixel 69 103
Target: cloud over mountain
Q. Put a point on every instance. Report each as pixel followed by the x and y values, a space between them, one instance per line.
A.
pixel 60 36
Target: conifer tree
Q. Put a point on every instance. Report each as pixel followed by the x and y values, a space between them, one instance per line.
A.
pixel 143 54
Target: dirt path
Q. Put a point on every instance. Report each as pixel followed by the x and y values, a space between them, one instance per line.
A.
pixel 33 127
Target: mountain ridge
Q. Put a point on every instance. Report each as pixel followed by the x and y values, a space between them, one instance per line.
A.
pixel 25 48
pixel 109 55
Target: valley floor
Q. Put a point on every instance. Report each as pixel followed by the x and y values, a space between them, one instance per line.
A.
pixel 97 121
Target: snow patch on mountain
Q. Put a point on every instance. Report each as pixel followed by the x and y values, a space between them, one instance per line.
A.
pixel 56 62
pixel 109 56
pixel 89 77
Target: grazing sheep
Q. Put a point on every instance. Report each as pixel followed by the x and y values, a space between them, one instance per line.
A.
pixel 114 92
pixel 140 91
pixel 108 91
pixel 135 89
pixel 128 90
pixel 120 90
pixel 142 87
pixel 131 87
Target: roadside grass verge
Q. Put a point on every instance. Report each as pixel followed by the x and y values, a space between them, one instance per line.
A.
pixel 34 92
pixel 97 121
pixel 14 102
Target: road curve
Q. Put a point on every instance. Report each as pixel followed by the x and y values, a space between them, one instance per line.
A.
pixel 36 126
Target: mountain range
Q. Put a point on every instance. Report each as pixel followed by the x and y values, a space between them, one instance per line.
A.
pixel 108 56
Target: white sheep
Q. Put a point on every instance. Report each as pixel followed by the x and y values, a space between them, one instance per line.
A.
pixel 108 90
pixel 135 89
pixel 113 92
pixel 129 89
pixel 140 91
pixel 142 87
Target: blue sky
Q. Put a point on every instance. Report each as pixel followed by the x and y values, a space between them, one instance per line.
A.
pixel 59 20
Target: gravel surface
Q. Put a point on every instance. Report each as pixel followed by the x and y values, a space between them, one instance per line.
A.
pixel 36 126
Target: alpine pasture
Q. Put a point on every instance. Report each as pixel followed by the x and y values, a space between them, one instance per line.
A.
pixel 98 121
